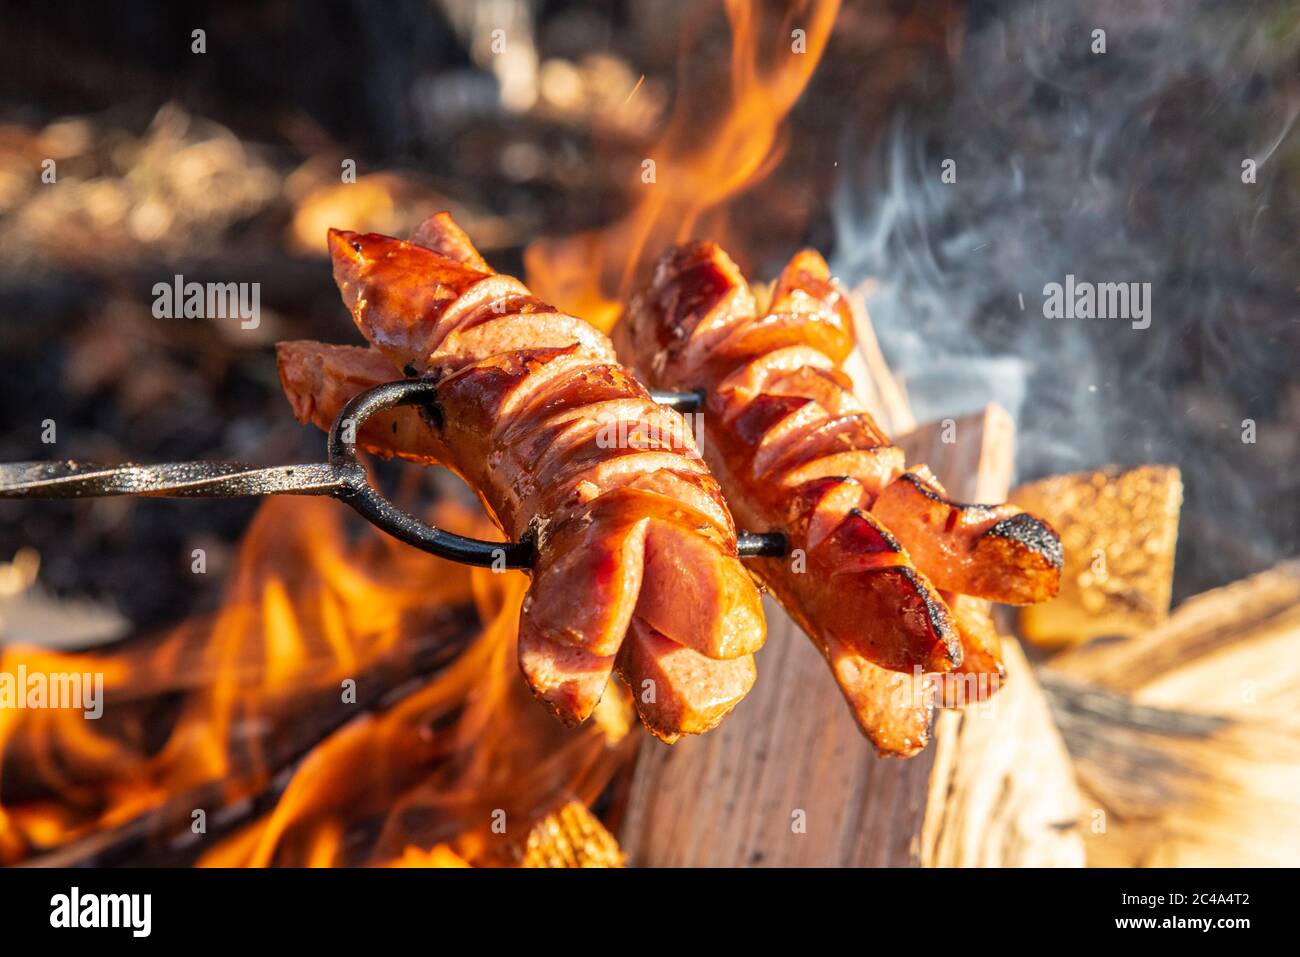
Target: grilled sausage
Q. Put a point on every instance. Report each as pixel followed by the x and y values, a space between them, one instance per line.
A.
pixel 636 550
pixel 795 451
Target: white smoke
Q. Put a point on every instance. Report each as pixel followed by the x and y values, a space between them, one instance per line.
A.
pixel 1116 167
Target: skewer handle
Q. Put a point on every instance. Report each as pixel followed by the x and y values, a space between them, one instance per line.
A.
pixel 73 479
pixel 342 476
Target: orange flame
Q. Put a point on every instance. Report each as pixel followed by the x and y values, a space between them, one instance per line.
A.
pixel 307 610
pixel 480 785
pixel 697 168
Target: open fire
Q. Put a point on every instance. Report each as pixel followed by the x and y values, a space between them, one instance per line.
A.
pixel 361 690
pixel 355 702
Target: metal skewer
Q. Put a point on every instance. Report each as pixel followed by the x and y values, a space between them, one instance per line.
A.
pixel 341 477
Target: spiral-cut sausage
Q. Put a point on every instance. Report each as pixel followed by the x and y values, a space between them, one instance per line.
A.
pixel 795 451
pixel 636 550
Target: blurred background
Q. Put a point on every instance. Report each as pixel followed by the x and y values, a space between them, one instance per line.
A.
pixel 531 122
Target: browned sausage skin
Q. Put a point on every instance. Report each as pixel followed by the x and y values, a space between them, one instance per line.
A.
pixel 795 451
pixel 636 548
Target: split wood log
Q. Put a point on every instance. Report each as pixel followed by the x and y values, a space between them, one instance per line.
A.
pixel 1119 530
pixel 788 780
pixel 1187 740
pixel 1002 790
pixel 1232 651
pixel 875 383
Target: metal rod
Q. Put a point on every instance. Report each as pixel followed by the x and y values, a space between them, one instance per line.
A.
pixel 761 544
pixel 679 401
pixel 342 477
pixel 168 480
